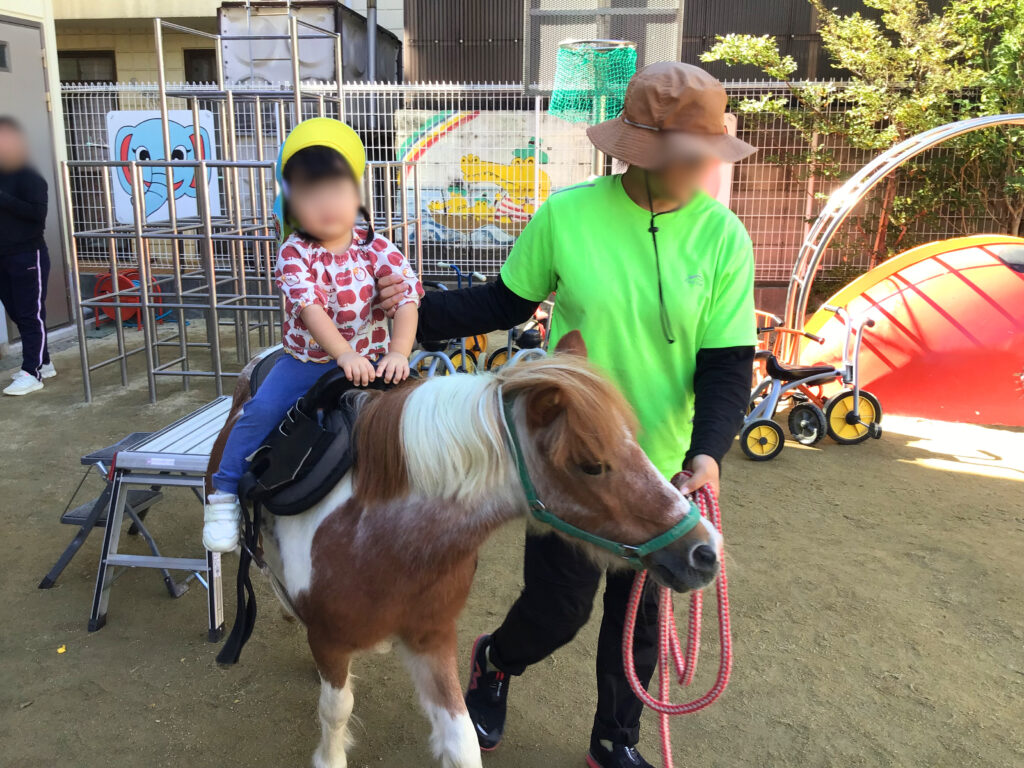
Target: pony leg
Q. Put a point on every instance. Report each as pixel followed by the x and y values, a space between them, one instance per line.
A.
pixel 336 701
pixel 432 664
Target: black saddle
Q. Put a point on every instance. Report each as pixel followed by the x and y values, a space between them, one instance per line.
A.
pixel 777 370
pixel 262 368
pixel 309 452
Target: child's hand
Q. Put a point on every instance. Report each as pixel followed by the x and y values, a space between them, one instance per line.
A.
pixel 394 367
pixel 357 368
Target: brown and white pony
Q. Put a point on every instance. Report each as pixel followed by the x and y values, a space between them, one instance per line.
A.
pixel 390 553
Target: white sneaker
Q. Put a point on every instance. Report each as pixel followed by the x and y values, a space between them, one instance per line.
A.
pixel 222 521
pixel 23 384
pixel 47 371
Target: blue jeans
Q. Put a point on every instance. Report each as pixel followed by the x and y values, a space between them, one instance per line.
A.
pixel 287 381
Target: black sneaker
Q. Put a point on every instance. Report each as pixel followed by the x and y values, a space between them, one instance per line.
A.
pixel 619 756
pixel 486 697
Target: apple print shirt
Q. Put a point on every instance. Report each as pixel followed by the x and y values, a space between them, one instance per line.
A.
pixel 345 285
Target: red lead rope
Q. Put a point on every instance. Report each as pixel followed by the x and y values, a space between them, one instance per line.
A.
pixel 670 651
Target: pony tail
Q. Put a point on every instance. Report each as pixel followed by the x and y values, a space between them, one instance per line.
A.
pixel 370 234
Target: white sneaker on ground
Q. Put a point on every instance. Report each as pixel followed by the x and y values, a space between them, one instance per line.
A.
pixel 222 521
pixel 47 371
pixel 23 384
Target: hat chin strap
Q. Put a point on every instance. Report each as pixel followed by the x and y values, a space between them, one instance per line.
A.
pixel 666 323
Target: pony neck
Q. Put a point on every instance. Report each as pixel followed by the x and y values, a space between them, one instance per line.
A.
pixel 455 442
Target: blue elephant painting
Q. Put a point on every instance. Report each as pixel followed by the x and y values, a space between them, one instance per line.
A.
pixel 137 135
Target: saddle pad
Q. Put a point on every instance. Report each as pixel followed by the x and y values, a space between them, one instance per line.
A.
pixel 309 452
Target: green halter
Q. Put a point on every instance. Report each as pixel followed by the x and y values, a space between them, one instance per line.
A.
pixel 631 553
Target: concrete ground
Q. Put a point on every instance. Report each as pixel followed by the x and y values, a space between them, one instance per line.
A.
pixel 876 609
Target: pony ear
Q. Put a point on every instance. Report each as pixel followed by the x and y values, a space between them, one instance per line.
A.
pixel 572 344
pixel 544 406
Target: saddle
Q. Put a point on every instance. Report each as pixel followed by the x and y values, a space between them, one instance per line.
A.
pixel 309 452
pixel 296 466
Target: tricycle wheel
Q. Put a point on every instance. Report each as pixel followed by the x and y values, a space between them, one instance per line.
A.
pixel 497 358
pixel 807 423
pixel 843 426
pixel 762 439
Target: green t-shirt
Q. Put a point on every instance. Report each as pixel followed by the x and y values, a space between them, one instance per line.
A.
pixel 590 244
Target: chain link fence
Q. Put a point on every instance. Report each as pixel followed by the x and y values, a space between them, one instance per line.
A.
pixel 486 156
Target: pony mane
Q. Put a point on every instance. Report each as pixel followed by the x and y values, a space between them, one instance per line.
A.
pixel 581 412
pixel 445 438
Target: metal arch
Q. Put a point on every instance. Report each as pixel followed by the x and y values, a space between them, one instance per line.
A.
pixel 846 198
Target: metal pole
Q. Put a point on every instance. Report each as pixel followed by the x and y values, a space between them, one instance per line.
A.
pixel 339 74
pixel 371 41
pixel 172 207
pixel 264 250
pixel 76 297
pixel 419 219
pixel 115 283
pixel 537 153
pixel 141 252
pixel 293 31
pixel 212 318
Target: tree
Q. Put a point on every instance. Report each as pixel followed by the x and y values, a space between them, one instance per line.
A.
pixel 910 70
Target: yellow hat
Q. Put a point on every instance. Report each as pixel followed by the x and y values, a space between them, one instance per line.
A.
pixel 326 132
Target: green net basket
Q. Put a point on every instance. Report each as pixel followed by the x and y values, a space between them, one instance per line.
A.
pixel 591 78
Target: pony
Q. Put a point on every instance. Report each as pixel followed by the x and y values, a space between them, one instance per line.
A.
pixel 388 556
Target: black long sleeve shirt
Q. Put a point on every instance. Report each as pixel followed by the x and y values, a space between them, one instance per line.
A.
pixel 721 382
pixel 22 211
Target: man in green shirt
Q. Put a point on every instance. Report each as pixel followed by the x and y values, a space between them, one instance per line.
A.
pixel 658 278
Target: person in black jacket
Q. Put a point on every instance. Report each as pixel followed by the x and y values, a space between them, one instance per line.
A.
pixel 24 261
pixel 658 277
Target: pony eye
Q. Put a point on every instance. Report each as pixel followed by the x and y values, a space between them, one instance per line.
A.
pixel 594 468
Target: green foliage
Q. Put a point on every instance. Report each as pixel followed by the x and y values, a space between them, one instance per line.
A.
pixel 911 70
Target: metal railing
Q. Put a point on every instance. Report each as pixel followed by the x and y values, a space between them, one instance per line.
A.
pixel 186 279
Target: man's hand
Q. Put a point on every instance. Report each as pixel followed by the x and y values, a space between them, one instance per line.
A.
pixel 705 472
pixel 357 368
pixel 393 367
pixel 391 289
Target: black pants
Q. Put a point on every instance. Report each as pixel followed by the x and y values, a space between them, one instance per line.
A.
pixel 23 278
pixel 560 584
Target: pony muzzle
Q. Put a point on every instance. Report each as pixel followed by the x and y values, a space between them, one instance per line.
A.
pixel 690 563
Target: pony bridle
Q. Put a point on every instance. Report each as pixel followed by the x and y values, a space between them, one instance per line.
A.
pixel 631 553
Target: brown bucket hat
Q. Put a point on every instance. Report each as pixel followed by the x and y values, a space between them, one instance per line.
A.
pixel 672 111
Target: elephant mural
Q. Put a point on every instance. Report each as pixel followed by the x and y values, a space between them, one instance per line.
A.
pixel 142 139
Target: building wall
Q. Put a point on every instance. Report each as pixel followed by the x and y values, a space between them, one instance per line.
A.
pixel 131 9
pixel 41 11
pixel 132 43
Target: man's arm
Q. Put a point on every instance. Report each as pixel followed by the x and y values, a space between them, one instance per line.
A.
pixel 31 204
pixel 721 387
pixel 480 309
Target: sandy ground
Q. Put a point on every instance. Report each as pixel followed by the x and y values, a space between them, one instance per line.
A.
pixel 876 608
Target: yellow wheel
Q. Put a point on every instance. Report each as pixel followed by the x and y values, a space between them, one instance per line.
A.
pixel 762 439
pixel 497 359
pixel 477 344
pixel 846 428
pixel 467 366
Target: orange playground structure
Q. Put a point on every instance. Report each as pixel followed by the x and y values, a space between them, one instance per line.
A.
pixel 948 339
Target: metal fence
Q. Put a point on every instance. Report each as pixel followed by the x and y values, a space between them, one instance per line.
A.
pixel 486 156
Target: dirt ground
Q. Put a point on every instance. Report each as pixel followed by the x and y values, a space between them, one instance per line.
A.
pixel 876 600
